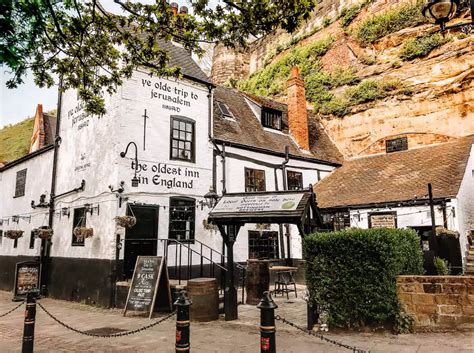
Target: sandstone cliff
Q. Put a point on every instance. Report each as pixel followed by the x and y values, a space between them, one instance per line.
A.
pixel 432 101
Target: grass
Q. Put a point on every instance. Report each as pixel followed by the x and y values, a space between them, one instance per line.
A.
pixel 348 14
pixel 378 26
pixel 15 140
pixel 422 46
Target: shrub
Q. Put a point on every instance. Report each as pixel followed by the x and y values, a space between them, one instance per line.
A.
pixel 348 14
pixel 396 64
pixel 370 90
pixel 378 26
pixel 367 59
pixel 422 46
pixel 326 22
pixel 352 273
pixel 442 267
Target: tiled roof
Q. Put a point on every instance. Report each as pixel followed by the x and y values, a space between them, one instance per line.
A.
pixel 398 176
pixel 180 57
pixel 247 129
pixel 49 128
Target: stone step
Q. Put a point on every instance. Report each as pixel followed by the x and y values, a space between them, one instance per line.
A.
pixel 469 269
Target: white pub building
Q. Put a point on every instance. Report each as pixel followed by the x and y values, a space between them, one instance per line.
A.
pixel 160 148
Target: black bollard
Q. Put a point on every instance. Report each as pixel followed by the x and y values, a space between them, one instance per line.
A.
pixel 182 323
pixel 267 324
pixel 312 315
pixel 29 327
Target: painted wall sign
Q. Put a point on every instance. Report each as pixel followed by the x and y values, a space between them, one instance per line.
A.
pixel 383 220
pixel 258 203
pixel 150 287
pixel 173 97
pixel 27 278
pixel 78 117
pixel 166 175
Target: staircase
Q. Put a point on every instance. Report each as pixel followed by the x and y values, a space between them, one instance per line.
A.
pixel 470 262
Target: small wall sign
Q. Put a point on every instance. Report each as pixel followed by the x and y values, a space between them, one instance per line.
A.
pixel 383 220
pixel 27 279
pixel 259 203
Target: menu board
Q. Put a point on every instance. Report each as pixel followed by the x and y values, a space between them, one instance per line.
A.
pixel 383 220
pixel 27 278
pixel 258 203
pixel 149 283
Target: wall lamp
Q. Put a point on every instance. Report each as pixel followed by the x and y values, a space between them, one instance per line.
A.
pixel 90 208
pixel 65 211
pixel 211 199
pixel 135 180
pixel 42 202
pixel 441 12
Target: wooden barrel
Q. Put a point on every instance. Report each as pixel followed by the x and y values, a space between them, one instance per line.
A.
pixel 257 280
pixel 204 296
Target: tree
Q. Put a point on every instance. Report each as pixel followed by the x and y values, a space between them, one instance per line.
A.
pixel 93 50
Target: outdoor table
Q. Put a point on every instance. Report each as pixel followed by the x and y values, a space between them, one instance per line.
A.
pixel 284 278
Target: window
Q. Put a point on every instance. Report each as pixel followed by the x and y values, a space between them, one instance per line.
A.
pixel 182 139
pixel 1 236
pixel 15 243
pixel 271 118
pixel 395 145
pixel 79 220
pixel 32 240
pixel 295 180
pixel 226 113
pixel 20 183
pixel 182 219
pixel 263 245
pixel 254 180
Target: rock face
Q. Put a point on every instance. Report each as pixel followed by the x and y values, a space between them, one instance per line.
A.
pixel 440 108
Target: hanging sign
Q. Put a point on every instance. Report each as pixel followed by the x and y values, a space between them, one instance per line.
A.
pixel 27 279
pixel 258 203
pixel 150 288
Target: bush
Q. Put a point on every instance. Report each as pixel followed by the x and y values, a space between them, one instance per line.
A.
pixel 326 22
pixel 378 26
pixel 348 14
pixel 422 46
pixel 352 273
pixel 367 59
pixel 442 267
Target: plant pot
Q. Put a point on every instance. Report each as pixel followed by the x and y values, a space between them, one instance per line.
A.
pixel 14 234
pixel 126 221
pixel 83 232
pixel 45 234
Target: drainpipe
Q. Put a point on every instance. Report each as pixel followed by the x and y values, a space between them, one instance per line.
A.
pixel 46 244
pixel 285 187
pixel 280 226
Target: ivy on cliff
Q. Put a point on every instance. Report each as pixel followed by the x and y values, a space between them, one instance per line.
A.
pixel 422 46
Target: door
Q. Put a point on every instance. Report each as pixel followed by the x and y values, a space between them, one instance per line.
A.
pixel 141 239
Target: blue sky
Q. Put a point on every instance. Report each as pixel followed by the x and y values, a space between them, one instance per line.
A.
pixel 20 103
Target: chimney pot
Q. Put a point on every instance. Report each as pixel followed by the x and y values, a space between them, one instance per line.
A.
pixel 183 10
pixel 294 71
pixel 174 7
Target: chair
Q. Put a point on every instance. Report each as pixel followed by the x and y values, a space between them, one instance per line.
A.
pixel 285 278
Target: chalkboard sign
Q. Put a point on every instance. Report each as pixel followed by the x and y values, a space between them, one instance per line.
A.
pixel 150 289
pixel 27 279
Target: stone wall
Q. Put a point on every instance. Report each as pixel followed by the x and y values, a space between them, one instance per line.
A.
pixel 438 301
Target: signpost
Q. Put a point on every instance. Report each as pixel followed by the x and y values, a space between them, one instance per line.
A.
pixel 27 279
pixel 150 287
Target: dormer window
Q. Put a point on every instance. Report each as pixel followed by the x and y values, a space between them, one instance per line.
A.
pixel 271 118
pixel 395 145
pixel 225 110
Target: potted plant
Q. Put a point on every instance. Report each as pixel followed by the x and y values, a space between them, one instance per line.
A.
pixel 44 233
pixel 14 234
pixel 126 221
pixel 83 232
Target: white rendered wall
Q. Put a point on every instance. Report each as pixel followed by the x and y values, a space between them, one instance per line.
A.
pixel 38 181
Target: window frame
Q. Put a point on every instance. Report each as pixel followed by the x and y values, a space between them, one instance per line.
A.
pixel 32 240
pixel 257 240
pixel 185 120
pixel 224 114
pixel 22 192
pixel 1 237
pixel 275 112
pixel 172 233
pixel 401 142
pixel 300 174
pixel 83 224
pixel 246 185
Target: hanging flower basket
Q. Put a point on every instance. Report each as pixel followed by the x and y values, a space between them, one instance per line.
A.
pixel 14 234
pixel 447 232
pixel 44 233
pixel 83 232
pixel 126 221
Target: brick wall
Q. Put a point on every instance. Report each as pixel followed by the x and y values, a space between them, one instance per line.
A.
pixel 438 301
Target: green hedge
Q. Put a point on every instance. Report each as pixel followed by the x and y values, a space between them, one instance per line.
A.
pixel 352 273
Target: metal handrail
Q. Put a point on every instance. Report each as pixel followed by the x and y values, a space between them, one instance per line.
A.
pixel 220 254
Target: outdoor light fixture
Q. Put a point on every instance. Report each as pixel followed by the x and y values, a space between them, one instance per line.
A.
pixel 442 11
pixel 135 180
pixel 211 198
pixel 65 211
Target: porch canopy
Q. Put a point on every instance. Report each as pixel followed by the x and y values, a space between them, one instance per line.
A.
pixel 279 207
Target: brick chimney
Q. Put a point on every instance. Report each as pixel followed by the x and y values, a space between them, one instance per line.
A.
pixel 297 113
pixel 174 7
pixel 38 136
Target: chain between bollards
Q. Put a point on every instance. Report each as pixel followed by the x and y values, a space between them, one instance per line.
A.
pixel 29 326
pixel 267 324
pixel 182 323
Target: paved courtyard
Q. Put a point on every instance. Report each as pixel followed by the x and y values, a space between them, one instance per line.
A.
pixel 219 336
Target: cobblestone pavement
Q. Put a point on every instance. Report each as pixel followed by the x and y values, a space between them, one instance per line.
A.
pixel 219 336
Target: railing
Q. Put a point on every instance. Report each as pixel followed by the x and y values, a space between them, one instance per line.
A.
pixel 211 262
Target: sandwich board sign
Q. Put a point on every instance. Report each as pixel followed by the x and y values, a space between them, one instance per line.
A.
pixel 27 279
pixel 150 288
